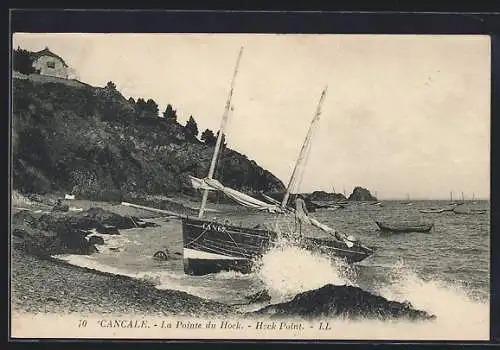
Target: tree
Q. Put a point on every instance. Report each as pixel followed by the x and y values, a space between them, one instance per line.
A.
pixel 140 104
pixel 110 85
pixel 170 114
pixel 192 127
pixel 140 107
pixel 152 107
pixel 22 62
pixel 131 101
pixel 146 109
pixel 208 137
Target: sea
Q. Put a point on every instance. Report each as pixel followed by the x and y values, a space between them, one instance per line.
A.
pixel 445 272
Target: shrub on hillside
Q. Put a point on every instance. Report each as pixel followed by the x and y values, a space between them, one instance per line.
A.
pixel 60 130
pixel 22 62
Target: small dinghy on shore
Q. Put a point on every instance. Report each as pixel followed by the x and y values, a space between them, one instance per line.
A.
pixel 404 228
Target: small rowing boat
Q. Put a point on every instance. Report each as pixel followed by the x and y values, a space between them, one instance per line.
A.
pixel 403 228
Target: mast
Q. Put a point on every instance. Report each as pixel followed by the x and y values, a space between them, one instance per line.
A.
pixel 463 198
pixel 451 196
pixel 219 137
pixel 304 148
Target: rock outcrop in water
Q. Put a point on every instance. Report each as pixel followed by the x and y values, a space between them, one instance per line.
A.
pixel 325 196
pixel 64 232
pixel 361 194
pixel 343 301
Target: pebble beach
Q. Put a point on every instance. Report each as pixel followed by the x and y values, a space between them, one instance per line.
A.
pixel 49 286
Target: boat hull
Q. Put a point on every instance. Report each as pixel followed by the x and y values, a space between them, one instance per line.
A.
pixel 203 266
pixel 211 247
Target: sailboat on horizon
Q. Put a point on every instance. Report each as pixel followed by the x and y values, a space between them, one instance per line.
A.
pixel 408 202
pixel 211 246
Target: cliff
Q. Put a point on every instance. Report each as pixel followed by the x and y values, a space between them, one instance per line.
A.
pixel 93 142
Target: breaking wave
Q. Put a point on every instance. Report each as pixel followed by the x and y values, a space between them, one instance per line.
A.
pixel 287 270
pixel 161 280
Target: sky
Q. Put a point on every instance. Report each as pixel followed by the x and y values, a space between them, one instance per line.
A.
pixel 403 116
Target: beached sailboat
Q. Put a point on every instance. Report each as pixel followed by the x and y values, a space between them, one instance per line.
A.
pixel 211 246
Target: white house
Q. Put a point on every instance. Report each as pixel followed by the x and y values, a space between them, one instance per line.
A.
pixel 48 63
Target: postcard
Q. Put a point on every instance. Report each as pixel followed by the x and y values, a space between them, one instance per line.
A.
pixel 250 186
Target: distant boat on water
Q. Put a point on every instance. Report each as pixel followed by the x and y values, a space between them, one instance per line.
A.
pixel 452 202
pixel 470 212
pixel 408 201
pixel 404 227
pixel 451 207
pixel 473 198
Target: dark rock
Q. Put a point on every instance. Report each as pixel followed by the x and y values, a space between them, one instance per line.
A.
pixel 161 255
pixel 108 230
pixel 143 224
pixel 105 217
pixel 325 196
pixel 361 194
pixel 344 301
pixel 58 232
pixel 61 207
pixel 261 296
pixel 96 240
pixel 39 242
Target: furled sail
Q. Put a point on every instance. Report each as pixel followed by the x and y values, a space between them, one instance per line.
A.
pixel 199 184
pixel 241 198
pixel 250 202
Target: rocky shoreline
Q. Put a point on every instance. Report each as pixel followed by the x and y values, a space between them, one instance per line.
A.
pixel 43 284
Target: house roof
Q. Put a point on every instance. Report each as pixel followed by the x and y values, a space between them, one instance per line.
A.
pixel 47 52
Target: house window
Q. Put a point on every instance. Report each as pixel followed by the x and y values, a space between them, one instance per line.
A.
pixel 51 65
